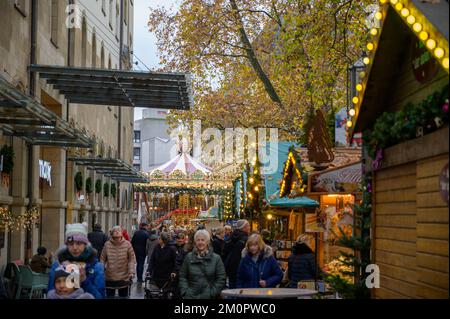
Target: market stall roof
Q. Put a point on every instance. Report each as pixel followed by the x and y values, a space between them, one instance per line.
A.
pixel 22 116
pixel 343 179
pixel 111 167
pixel 118 87
pixel 182 163
pixel 391 46
pixel 296 202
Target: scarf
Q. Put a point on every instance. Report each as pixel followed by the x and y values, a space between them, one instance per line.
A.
pixel 77 294
pixel 87 256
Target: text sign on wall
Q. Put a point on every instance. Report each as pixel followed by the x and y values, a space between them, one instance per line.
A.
pixel 443 183
pixel 45 169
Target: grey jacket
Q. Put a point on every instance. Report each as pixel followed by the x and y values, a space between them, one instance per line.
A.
pixel 150 247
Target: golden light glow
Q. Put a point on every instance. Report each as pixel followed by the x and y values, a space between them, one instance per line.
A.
pixel 439 53
pixel 374 31
pixel 404 12
pixel 417 27
pixel 394 1
pixel 378 15
pixel 370 46
pixel 431 44
pixel 355 100
pixel 256 189
pixel 251 180
pixel 250 195
pixel 269 216
pixel 423 36
pixel 352 112
pixel 349 124
pixel 383 1
pixel 411 19
pixel 398 6
pixel 445 63
pixel 362 74
pixel 366 60
pixel 359 87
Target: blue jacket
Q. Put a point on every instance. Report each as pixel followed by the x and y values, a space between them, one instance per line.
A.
pixel 95 273
pixel 266 268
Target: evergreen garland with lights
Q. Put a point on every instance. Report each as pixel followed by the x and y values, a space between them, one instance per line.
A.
pixel 8 159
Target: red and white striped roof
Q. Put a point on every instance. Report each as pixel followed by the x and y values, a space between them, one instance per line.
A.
pixel 182 162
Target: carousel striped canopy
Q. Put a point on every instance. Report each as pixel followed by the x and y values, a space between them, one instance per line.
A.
pixel 182 163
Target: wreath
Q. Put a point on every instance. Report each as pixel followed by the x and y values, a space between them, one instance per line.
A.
pixel 8 158
pixel 88 185
pixel 113 190
pixel 78 181
pixel 106 190
pixel 98 186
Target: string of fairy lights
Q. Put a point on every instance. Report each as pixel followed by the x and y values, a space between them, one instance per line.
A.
pixel 15 222
pixel 422 28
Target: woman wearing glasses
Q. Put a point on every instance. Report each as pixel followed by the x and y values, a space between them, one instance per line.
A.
pixel 120 264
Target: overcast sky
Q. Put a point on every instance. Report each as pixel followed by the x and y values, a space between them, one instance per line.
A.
pixel 144 41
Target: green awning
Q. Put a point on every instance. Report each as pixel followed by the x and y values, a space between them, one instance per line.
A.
pixel 296 202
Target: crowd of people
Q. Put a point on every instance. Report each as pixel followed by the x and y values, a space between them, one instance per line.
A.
pixel 195 263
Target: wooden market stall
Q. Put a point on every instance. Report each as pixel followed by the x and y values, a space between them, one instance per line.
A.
pixel 402 110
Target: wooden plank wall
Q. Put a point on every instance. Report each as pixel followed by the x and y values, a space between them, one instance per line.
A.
pixel 395 231
pixel 432 231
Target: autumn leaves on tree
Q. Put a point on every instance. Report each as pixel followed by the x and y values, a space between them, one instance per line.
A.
pixel 261 63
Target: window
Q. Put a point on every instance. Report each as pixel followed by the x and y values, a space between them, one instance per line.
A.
pixel 94 49
pixel 83 42
pixel 125 11
pixel 137 153
pixel 54 22
pixel 117 20
pixel 111 14
pixel 137 167
pixel 104 7
pixel 102 57
pixel 21 6
pixel 137 136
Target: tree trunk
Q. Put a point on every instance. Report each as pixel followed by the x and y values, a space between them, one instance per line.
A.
pixel 254 59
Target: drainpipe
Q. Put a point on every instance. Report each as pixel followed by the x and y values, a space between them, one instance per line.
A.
pixel 32 91
pixel 119 128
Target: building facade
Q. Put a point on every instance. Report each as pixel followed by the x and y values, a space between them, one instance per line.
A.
pixel 153 145
pixel 97 34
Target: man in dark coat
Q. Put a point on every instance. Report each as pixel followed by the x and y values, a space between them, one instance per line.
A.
pixel 97 238
pixel 218 242
pixel 139 242
pixel 233 250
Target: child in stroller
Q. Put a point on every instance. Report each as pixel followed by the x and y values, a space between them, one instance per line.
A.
pixel 159 289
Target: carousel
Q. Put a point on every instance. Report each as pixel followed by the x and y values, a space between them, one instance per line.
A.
pixel 184 192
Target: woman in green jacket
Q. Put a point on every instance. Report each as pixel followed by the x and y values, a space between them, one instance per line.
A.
pixel 202 275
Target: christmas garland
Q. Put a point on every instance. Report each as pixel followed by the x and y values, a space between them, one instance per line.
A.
pixel 410 122
pixel 78 181
pixel 8 158
pixel 88 185
pixel 98 186
pixel 179 190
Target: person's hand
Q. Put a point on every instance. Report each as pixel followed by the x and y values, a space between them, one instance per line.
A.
pixel 262 283
pixel 173 275
pixel 131 277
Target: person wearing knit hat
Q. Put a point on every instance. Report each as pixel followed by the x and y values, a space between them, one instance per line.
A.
pixel 65 287
pixel 79 251
pixel 233 250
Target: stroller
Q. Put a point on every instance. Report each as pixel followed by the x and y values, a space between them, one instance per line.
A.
pixel 152 291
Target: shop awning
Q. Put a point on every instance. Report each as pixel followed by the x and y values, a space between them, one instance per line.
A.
pixel 24 117
pixel 296 202
pixel 110 167
pixel 119 87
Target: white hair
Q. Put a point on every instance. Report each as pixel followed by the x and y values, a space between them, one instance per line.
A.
pixel 204 233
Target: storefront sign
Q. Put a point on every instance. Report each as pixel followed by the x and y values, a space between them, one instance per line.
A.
pixel 45 170
pixel 344 180
pixel 443 183
pixel 424 66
